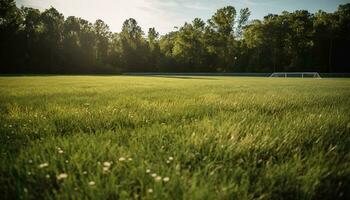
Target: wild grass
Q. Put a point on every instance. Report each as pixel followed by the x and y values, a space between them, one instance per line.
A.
pixel 124 137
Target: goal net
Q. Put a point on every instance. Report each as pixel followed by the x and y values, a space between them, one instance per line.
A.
pixel 296 75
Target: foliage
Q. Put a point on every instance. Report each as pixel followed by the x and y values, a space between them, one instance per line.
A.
pixel 46 42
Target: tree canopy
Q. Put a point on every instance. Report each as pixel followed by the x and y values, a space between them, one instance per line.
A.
pixel 46 42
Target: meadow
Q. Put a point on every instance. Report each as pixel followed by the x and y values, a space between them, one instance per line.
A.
pixel 174 137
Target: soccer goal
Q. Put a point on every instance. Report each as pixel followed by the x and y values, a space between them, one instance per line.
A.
pixel 296 75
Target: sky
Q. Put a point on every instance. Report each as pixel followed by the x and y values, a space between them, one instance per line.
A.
pixel 164 15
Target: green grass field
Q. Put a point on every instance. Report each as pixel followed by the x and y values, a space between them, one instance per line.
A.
pixel 124 137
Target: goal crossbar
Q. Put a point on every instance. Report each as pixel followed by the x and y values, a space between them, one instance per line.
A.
pixel 296 75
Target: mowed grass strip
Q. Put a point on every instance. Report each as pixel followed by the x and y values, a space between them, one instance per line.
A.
pixel 174 137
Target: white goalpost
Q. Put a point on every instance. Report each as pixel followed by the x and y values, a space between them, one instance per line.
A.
pixel 295 75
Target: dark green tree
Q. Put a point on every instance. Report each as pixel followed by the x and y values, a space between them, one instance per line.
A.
pixel 10 21
pixel 103 35
pixel 154 49
pixel 51 36
pixel 134 46
pixel 222 34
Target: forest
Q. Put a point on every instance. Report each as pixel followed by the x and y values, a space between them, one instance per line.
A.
pixel 46 42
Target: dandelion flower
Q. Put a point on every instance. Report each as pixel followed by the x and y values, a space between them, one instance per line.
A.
pixel 148 171
pixel 150 190
pixel 60 151
pixel 91 183
pixel 130 159
pixel 158 178
pixel 154 175
pixel 171 158
pixel 166 179
pixel 121 159
pixel 62 176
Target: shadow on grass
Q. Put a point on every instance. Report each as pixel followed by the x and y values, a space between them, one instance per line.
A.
pixel 142 75
pixel 181 77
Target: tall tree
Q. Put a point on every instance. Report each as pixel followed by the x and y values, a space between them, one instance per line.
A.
pixel 32 31
pixel 103 34
pixel 167 60
pixel 10 22
pixel 189 45
pixel 134 47
pixel 242 21
pixel 342 46
pixel 299 39
pixel 71 43
pixel 154 54
pixel 52 36
pixel 222 24
pixel 87 41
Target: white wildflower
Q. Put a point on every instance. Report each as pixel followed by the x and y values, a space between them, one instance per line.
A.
pixel 166 179
pixel 43 165
pixel 62 176
pixel 158 178
pixel 121 159
pixel 154 175
pixel 105 169
pixel 150 190
pixel 91 183
pixel 148 171
pixel 107 164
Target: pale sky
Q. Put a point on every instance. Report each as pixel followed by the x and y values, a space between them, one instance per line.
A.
pixel 165 14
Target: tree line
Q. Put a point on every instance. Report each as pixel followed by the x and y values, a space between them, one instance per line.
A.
pixel 46 42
